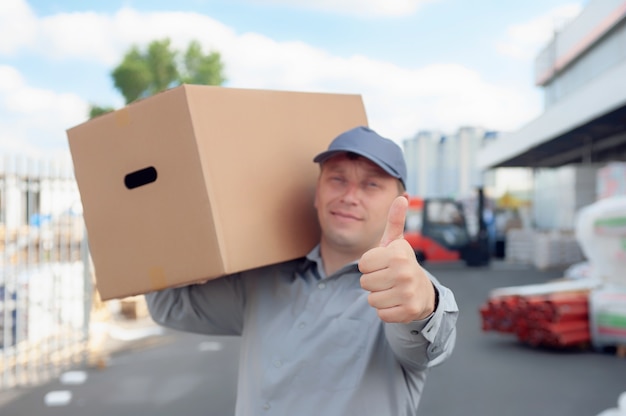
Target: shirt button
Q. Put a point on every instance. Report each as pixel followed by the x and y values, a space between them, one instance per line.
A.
pixel 321 285
pixel 266 406
pixel 278 363
pixel 414 332
pixel 302 325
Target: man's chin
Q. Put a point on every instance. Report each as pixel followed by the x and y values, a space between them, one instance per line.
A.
pixel 347 242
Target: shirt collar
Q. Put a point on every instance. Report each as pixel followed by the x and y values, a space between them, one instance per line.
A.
pixel 315 257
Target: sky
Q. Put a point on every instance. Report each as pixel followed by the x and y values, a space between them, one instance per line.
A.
pixel 418 64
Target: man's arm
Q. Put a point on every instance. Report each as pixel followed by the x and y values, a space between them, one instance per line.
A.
pixel 419 313
pixel 215 307
pixel 427 342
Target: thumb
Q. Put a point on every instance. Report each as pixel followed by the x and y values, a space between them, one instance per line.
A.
pixel 394 229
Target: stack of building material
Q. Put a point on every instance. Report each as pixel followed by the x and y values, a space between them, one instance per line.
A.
pixel 520 246
pixel 555 249
pixel 611 180
pixel 558 194
pixel 544 250
pixel 601 232
pixel 607 317
pixel 559 319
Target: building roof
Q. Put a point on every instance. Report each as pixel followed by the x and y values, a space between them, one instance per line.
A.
pixel 587 125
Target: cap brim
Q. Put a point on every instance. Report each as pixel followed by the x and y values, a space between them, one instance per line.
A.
pixel 324 156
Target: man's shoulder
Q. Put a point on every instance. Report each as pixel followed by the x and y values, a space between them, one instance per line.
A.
pixel 284 267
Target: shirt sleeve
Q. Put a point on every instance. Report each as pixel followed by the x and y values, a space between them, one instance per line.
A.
pixel 428 342
pixel 213 308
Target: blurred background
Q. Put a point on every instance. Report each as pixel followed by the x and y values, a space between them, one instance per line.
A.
pixel 512 117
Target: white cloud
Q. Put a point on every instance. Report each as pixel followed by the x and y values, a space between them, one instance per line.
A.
pixel 104 38
pixel 85 35
pixel 100 37
pixel 33 120
pixel 399 101
pixel 524 40
pixel 17 25
pixel 359 8
pixel 10 78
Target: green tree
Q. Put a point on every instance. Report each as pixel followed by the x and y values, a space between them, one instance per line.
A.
pixel 202 69
pixel 95 110
pixel 132 77
pixel 146 72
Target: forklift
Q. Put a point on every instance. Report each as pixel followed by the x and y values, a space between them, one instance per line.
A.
pixel 477 252
pixel 436 229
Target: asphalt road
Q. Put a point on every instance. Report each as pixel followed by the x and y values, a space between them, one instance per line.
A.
pixel 174 374
pixel 489 374
pixel 492 374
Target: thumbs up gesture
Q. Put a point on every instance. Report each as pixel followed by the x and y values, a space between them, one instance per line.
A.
pixel 399 288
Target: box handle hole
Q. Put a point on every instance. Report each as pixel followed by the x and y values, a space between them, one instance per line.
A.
pixel 140 177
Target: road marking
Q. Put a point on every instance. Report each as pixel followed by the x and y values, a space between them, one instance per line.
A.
pixel 123 334
pixel 58 398
pixel 209 346
pixel 73 377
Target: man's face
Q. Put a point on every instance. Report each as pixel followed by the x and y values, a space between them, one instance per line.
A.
pixel 352 201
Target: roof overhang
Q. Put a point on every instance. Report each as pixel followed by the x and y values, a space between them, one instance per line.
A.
pixel 589 124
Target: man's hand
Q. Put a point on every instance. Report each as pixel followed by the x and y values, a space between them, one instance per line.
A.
pixel 400 289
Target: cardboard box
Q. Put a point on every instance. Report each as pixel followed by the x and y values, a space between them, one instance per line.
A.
pixel 199 181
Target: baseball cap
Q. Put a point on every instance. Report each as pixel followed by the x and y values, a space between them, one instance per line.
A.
pixel 367 143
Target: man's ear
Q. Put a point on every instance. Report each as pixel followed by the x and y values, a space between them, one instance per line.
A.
pixel 317 188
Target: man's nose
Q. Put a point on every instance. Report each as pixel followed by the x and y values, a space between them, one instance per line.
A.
pixel 351 193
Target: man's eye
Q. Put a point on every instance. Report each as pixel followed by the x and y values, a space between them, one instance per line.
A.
pixel 372 184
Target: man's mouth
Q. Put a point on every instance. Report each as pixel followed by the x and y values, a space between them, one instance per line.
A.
pixel 345 215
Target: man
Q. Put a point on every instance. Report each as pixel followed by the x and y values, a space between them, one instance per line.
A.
pixel 352 328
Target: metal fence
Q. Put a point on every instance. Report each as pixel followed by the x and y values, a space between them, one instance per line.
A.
pixel 45 279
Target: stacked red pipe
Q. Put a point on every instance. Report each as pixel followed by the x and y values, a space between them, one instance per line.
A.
pixel 558 319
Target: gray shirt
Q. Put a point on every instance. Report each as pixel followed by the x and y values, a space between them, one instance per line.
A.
pixel 311 344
